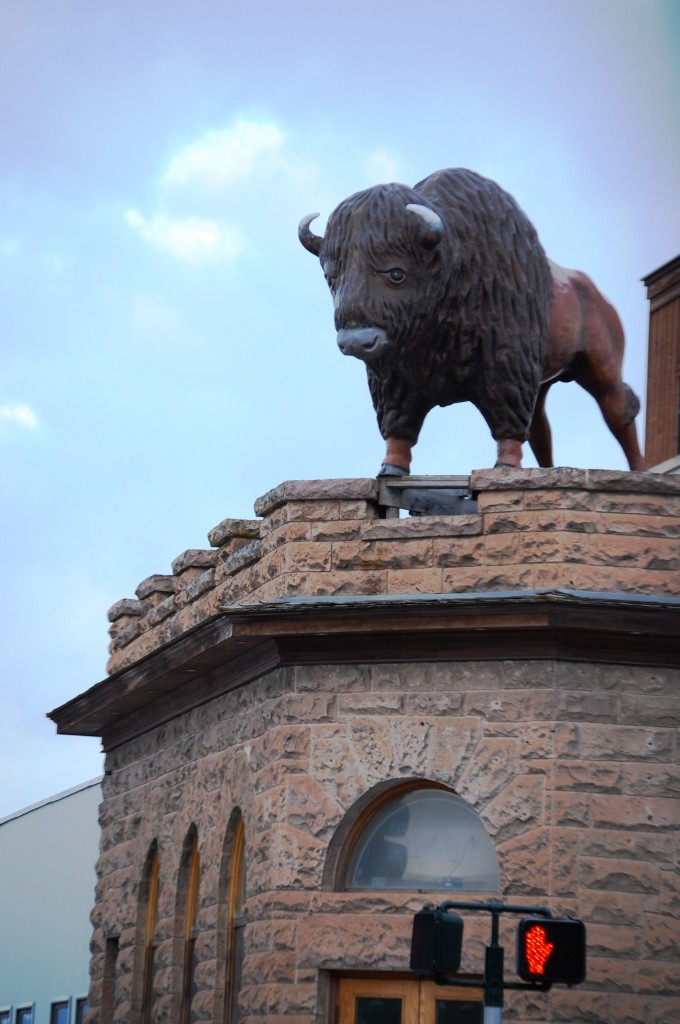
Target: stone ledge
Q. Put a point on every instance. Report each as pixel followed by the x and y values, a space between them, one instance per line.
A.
pixel 566 478
pixel 127 606
pixel 194 558
pixel 156 585
pixel 230 529
pixel 349 489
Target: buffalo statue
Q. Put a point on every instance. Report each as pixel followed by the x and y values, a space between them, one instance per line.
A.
pixel 446 294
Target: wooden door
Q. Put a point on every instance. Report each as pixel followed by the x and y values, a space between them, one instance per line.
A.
pixel 398 1001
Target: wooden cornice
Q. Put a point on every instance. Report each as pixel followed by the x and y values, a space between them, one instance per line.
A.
pixel 243 642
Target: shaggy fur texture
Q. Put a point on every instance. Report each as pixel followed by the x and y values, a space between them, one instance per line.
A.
pixel 471 321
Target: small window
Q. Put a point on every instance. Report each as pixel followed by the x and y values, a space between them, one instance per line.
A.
pixel 59 1012
pixel 424 838
pixel 236 922
pixel 24 1015
pixel 81 1010
pixel 151 889
pixel 5 1014
pixel 111 951
pixel 191 912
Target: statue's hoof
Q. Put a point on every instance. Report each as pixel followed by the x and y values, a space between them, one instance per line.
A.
pixel 387 469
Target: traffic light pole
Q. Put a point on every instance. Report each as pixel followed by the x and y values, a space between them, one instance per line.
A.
pixel 493 976
pixel 494 984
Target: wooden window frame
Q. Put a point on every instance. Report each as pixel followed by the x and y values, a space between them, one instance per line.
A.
pixel 151 917
pixel 190 915
pixel 236 922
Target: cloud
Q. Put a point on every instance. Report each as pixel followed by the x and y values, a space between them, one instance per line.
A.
pixel 18 415
pixel 191 239
pixel 222 158
pixel 222 189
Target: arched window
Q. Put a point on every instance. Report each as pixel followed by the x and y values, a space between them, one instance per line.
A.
pixel 151 892
pixel 236 921
pixel 422 836
pixel 190 915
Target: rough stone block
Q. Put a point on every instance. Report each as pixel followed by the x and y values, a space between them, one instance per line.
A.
pixel 662 937
pixel 231 529
pixel 458 551
pixel 334 679
pixel 125 609
pixel 656 813
pixel 414 581
pixel 508 577
pixel 402 554
pixel 626 743
pixel 619 875
pixel 155 589
pixel 333 491
pixel 500 549
pixel 570 809
pixel 519 806
pixel 525 863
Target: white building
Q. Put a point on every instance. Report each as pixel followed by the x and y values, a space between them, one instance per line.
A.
pixel 48 853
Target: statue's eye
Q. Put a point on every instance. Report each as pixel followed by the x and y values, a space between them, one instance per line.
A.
pixel 396 275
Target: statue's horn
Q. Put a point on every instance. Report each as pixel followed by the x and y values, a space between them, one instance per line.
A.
pixel 432 236
pixel 310 241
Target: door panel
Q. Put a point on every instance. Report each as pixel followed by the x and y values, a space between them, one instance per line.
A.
pixel 374 1001
pixel 390 1001
pixel 440 1004
pixel 374 1010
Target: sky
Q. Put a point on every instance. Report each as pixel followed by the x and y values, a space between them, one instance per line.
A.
pixel 167 351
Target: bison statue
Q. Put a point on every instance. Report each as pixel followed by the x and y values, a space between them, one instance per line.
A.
pixel 446 294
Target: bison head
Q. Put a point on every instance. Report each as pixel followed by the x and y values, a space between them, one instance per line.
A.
pixel 381 259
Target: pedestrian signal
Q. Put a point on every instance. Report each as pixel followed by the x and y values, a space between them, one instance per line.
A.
pixel 436 942
pixel 551 950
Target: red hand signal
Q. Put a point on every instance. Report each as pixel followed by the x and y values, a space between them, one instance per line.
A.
pixel 537 949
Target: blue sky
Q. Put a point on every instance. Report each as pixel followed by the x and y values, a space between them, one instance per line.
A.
pixel 168 351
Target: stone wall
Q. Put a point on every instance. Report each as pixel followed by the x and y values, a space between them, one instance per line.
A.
pixel 572 767
pixel 572 764
pixel 581 529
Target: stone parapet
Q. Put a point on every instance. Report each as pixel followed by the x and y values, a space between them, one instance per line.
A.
pixel 591 530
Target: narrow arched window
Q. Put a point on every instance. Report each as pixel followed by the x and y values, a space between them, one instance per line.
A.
pixel 190 915
pixel 421 836
pixel 152 875
pixel 236 921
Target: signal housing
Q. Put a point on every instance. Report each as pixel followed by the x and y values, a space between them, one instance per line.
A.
pixel 551 950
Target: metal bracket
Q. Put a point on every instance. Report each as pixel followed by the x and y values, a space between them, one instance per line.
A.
pixel 426 495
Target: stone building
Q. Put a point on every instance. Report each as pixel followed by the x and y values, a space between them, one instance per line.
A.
pixel 336 714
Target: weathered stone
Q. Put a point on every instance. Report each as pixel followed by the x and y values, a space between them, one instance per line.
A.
pixel 127 607
pixel 243 557
pixel 619 874
pixel 572 766
pixel 194 558
pixel 316 490
pixel 154 588
pixel 229 529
